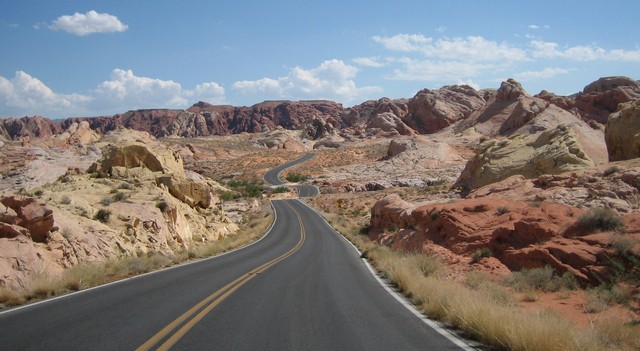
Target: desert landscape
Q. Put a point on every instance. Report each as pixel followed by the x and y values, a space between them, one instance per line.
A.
pixel 531 200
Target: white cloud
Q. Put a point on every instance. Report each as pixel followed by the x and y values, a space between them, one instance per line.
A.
pixel 128 91
pixel 88 23
pixel 369 62
pixel 445 71
pixel 471 48
pixel 534 26
pixel 27 95
pixel 549 50
pixel 441 29
pixel 546 73
pixel 212 93
pixel 24 94
pixel 332 79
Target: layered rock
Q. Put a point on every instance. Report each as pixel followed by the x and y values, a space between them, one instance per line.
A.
pixel 550 152
pixel 28 127
pixel 511 110
pixel 601 98
pixel 622 133
pixel 433 110
pixel 518 235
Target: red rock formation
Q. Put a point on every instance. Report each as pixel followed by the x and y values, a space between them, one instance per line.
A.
pixel 519 235
pixel 601 98
pixel 433 110
pixel 31 215
pixel 28 127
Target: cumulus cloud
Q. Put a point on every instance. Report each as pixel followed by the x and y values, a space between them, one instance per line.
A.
pixel 129 91
pixel 24 94
pixel 27 95
pixel 546 49
pixel 87 23
pixel 332 79
pixel 471 48
pixel 545 73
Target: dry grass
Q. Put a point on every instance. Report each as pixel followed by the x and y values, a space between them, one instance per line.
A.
pixel 82 276
pixel 479 307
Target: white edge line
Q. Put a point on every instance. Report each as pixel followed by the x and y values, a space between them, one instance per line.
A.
pixel 400 298
pixel 42 302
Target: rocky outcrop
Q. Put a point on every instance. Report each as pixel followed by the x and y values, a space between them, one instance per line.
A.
pixel 27 127
pixel 612 186
pixel 622 133
pixel 35 218
pixel 518 235
pixel 511 110
pixel 433 110
pixel 550 152
pixel 601 98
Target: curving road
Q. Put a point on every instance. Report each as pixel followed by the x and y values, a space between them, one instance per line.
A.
pixel 273 177
pixel 301 287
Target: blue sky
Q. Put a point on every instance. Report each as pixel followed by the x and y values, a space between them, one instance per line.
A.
pixel 90 57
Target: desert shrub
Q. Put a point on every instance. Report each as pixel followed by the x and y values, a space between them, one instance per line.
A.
pixel 296 177
pixel 65 200
pixel 502 210
pixel 38 193
pixel 480 254
pixel 611 170
pixel 245 188
pixel 125 186
pixel 227 195
pixel 623 245
pixel 162 206
pixel 106 201
pixel 280 190
pixel 119 196
pixel 604 219
pixel 541 279
pixel 102 215
pixel 113 191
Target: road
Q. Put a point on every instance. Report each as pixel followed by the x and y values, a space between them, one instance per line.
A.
pixel 273 177
pixel 301 287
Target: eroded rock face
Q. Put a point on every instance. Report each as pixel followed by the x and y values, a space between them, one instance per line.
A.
pixel 433 110
pixel 27 127
pixel 601 98
pixel 549 152
pixel 622 133
pixel 35 217
pixel 518 235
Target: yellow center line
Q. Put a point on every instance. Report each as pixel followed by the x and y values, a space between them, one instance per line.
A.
pixel 214 300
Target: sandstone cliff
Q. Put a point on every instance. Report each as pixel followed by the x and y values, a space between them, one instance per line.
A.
pixel 550 152
pixel 622 133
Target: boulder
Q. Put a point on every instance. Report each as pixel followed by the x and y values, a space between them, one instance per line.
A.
pixel 622 133
pixel 550 152
pixel 33 216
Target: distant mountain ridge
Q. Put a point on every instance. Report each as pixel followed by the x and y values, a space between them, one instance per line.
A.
pixel 427 112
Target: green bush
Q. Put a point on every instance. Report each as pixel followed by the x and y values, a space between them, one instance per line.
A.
pixel 296 177
pixel 227 195
pixel 481 253
pixel 541 279
pixel 119 196
pixel 502 210
pixel 162 206
pixel 280 190
pixel 600 219
pixel 102 215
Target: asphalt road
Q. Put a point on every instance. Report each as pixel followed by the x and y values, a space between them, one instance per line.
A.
pixel 273 177
pixel 301 287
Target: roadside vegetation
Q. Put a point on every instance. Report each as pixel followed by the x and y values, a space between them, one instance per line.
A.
pixel 296 177
pixel 84 276
pixel 487 310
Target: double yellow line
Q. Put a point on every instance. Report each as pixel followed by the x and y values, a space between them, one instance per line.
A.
pixel 196 313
